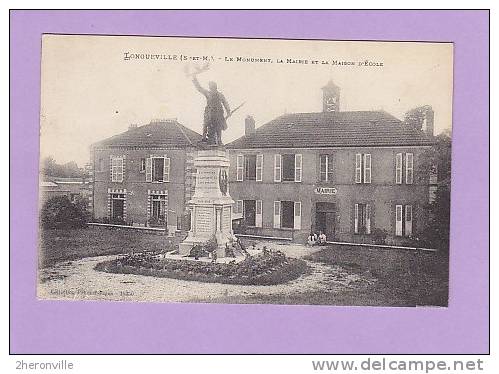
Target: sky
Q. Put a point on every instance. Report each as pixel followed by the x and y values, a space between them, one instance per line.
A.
pixel 90 91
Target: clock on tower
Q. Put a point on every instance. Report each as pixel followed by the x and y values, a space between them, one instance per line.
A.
pixel 330 97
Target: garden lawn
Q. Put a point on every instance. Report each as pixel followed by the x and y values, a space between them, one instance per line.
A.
pixel 403 278
pixel 73 244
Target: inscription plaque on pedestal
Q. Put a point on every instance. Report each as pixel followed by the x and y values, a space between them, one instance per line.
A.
pixel 211 204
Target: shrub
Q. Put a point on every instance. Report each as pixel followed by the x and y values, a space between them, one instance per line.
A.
pixel 271 268
pixel 60 213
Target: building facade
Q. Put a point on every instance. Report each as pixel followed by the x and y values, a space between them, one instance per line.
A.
pixel 144 177
pixel 348 174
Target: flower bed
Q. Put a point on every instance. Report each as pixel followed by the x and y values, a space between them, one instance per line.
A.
pixel 265 269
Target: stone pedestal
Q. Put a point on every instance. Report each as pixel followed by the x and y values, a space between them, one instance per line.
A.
pixel 211 204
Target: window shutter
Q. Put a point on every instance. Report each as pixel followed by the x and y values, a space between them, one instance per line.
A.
pixel 356 219
pixel 298 167
pixel 329 175
pixel 358 168
pixel 408 220
pixel 323 168
pixel 398 220
pixel 367 168
pixel 398 168
pixel 277 168
pixel 259 167
pixel 166 169
pixel 240 167
pixel 297 220
pixel 149 169
pixel 258 216
pixel 409 168
pixel 239 207
pixel 277 214
pixel 368 219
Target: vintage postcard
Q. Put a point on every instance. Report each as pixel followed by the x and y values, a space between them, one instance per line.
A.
pixel 245 170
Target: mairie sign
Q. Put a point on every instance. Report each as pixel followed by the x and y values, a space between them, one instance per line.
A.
pixel 325 191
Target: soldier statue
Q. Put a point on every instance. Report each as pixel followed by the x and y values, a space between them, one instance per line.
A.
pixel 214 116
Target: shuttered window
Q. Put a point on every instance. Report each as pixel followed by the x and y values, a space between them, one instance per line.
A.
pixel 326 168
pixel 117 168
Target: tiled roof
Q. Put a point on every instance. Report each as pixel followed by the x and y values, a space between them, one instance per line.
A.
pixel 157 134
pixel 332 129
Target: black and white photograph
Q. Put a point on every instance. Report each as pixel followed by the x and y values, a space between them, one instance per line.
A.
pixel 245 171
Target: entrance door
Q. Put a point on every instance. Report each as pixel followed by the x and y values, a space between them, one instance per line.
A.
pixel 325 219
pixel 117 208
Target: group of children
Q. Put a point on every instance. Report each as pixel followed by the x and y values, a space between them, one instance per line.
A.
pixel 314 239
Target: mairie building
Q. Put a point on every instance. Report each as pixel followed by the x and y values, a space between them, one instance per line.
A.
pixel 346 173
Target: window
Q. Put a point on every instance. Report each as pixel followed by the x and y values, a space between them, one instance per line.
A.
pixel 142 168
pixel 403 220
pixel 157 169
pixel 408 160
pixel 288 168
pixel 326 168
pixel 362 219
pixel 118 206
pixel 250 167
pixel 363 168
pixel 117 168
pixel 158 213
pixel 238 207
pixel 287 214
pixel 252 212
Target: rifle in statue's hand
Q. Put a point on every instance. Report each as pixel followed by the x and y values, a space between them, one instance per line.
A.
pixel 234 110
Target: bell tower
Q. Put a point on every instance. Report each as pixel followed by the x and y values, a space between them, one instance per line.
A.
pixel 330 97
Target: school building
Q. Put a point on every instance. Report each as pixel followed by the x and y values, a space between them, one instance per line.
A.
pixel 144 176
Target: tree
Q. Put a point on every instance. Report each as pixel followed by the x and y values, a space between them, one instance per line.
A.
pixel 60 213
pixel 437 227
pixel 51 168
pixel 415 117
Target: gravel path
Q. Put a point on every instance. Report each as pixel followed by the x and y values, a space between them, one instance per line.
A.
pixel 78 280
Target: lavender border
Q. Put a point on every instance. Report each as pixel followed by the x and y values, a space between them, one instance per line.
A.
pixel 107 327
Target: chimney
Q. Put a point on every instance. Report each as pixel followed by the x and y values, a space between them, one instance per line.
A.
pixel 249 125
pixel 428 121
